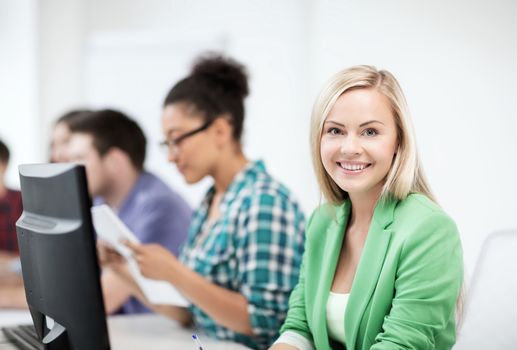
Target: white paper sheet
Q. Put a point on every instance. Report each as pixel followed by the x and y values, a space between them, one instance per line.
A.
pixel 111 229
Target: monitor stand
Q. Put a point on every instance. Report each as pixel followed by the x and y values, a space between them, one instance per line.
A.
pixel 52 339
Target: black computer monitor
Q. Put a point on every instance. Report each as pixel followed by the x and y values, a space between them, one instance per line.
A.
pixel 59 259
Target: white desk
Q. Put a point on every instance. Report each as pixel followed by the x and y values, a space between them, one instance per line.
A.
pixel 135 332
pixel 14 317
pixel 156 332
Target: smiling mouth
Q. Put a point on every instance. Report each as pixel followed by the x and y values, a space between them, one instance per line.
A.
pixel 353 167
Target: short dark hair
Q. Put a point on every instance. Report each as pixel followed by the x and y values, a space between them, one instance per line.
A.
pixel 216 85
pixel 110 128
pixel 69 116
pixel 4 153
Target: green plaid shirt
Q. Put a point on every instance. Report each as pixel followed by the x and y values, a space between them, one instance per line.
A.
pixel 255 248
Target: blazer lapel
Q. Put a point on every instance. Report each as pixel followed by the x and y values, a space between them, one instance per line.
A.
pixel 334 236
pixel 369 268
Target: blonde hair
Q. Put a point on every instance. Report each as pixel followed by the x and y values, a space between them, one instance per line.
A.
pixel 406 175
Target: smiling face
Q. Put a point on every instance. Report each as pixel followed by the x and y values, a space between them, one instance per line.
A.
pixel 359 141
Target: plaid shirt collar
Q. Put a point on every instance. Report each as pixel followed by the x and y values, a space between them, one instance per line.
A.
pixel 251 171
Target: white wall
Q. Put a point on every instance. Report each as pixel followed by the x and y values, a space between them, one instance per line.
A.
pixel 268 36
pixel 60 55
pixel 457 63
pixel 19 118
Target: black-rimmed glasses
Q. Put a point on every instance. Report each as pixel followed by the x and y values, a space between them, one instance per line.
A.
pixel 172 144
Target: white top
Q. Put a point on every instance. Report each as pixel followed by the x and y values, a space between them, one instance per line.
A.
pixel 336 306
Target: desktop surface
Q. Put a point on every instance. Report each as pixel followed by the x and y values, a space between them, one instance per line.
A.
pixel 158 332
pixel 136 332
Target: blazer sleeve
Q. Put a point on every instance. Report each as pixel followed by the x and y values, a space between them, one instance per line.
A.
pixel 296 320
pixel 428 281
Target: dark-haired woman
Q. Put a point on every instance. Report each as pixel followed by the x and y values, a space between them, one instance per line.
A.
pixel 242 257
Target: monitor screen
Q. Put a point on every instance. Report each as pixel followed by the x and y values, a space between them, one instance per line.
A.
pixel 59 259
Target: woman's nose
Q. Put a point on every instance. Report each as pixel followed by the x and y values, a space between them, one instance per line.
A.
pixel 172 156
pixel 350 145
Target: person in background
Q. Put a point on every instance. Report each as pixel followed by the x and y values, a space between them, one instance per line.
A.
pixel 243 253
pixel 112 147
pixel 11 285
pixel 383 264
pixel 61 135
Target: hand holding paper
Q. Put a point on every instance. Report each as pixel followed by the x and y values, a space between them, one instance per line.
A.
pixel 152 269
pixel 112 230
pixel 154 260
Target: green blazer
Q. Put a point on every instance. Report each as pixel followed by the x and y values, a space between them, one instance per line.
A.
pixel 406 285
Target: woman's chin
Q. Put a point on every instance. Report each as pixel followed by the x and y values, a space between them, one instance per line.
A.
pixel 191 178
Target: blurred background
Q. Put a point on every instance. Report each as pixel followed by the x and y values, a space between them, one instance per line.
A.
pixel 456 62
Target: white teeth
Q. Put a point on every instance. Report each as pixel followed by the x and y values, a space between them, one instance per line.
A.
pixel 353 167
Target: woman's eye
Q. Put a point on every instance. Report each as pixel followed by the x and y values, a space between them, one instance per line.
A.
pixel 333 131
pixel 370 132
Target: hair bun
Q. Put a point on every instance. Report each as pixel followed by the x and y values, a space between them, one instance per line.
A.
pixel 228 75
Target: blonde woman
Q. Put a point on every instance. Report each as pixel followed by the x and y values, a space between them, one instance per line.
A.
pixel 383 262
